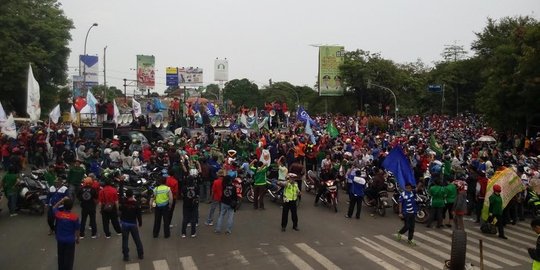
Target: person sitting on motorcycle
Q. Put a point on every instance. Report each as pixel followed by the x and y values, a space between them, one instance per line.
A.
pixel 377 185
pixel 326 174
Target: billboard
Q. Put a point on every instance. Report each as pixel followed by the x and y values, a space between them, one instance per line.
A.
pixel 330 82
pixel 78 87
pixel 145 71
pixel 190 76
pixel 89 70
pixel 221 70
pixel 172 76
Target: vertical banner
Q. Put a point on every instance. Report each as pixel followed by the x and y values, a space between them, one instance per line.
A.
pixel 90 71
pixel 190 76
pixel 221 70
pixel 78 87
pixel 330 82
pixel 145 72
pixel 172 76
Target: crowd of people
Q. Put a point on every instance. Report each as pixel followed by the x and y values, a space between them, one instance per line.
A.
pixel 448 161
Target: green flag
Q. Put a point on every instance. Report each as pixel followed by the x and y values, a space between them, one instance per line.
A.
pixel 332 130
pixel 433 145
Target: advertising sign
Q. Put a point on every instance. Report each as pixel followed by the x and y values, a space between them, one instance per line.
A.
pixel 190 76
pixel 89 69
pixel 221 70
pixel 330 82
pixel 78 87
pixel 145 71
pixel 172 76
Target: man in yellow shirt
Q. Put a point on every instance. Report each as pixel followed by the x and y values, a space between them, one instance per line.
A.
pixel 290 196
pixel 163 201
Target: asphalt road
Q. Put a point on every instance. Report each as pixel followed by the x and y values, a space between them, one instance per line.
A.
pixel 326 240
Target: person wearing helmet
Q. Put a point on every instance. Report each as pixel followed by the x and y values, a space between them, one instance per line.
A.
pixel 496 210
pixel 88 197
pixel 290 196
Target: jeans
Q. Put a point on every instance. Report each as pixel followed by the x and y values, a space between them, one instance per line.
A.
pixel 213 206
pixel 355 201
pixel 204 188
pixel 85 213
pixel 111 217
pixel 190 216
pixel 259 192
pixel 225 210
pixel 66 255
pixel 408 225
pixel 162 212
pixel 12 202
pixel 128 228
pixel 171 211
pixel 290 205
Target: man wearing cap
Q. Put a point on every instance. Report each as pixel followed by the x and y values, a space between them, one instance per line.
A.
pixel 163 200
pixel 496 210
pixel 88 197
pixel 290 196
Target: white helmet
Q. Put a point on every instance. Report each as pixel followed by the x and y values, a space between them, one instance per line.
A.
pixel 160 150
pixel 115 137
pixel 107 151
pixel 135 153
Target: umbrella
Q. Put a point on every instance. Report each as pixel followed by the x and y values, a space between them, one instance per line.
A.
pixel 486 138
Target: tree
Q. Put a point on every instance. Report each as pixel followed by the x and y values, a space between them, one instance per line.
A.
pixel 211 92
pixel 453 52
pixel 242 92
pixel 37 32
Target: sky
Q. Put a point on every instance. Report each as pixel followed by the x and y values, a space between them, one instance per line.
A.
pixel 272 39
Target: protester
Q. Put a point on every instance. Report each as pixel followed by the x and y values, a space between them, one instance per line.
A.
pixel 259 184
pixel 67 233
pixel 407 211
pixel 496 209
pixel 88 197
pixel 108 203
pixel 163 200
pixel 130 217
pixel 290 197
pixel 228 205
pixel 356 194
pixel 9 184
pixel 190 193
pixel 534 253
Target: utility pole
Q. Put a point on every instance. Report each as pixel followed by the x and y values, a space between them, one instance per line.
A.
pixel 125 87
pixel 105 73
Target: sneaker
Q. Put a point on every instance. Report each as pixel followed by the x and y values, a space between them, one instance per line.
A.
pixel 296 229
pixel 119 233
pixel 13 215
pixel 398 236
pixel 503 237
pixel 228 232
pixel 183 236
pixel 193 235
pixel 189 224
pixel 217 232
pixel 209 223
pixel 81 237
pixel 347 216
pixel 170 226
pixel 282 229
pixel 411 243
pixel 94 236
pixel 196 224
pixel 108 237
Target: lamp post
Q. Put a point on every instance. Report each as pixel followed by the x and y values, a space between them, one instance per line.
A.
pixel 84 65
pixel 369 84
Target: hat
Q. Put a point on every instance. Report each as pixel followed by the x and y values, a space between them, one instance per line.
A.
pixel 115 137
pixel 497 188
pixel 88 181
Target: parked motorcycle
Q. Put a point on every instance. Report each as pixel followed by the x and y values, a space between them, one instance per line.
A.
pixel 380 203
pixel 32 195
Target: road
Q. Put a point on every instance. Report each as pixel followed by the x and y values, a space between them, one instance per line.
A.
pixel 326 240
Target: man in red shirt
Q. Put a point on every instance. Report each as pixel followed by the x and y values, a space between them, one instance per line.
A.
pixel 108 201
pixel 172 183
pixel 216 193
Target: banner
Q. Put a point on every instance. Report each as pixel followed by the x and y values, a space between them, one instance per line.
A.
pixel 89 67
pixel 145 72
pixel 190 76
pixel 510 186
pixel 32 101
pixel 55 114
pixel 221 70
pixel 172 76
pixel 330 82
pixel 91 101
pixel 9 129
pixel 116 113
pixel 137 109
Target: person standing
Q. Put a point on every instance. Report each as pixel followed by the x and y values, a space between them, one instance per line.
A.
pixel 190 193
pixel 130 216
pixel 216 193
pixel 460 204
pixel 259 184
pixel 163 199
pixel 437 193
pixel 9 184
pixel 88 197
pixel 74 178
pixel 407 211
pixel 290 197
pixel 67 233
pixel 356 194
pixel 228 205
pixel 451 194
pixel 108 202
pixel 56 193
pixel 172 183
pixel 481 186
pixel 496 210
pixel 534 253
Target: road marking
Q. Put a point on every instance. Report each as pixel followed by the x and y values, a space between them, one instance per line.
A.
pixel 160 265
pixel 104 268
pixel 489 245
pixel 448 247
pixel 268 257
pixel 411 251
pixel 236 254
pixel 375 259
pixel 294 259
pixel 188 263
pixel 317 256
pixel 524 225
pixel 132 266
pixel 519 234
pixel 389 253
pixel 495 239
pixel 527 231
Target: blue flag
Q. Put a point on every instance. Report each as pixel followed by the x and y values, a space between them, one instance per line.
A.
pixel 397 163
pixel 211 110
pixel 158 105
pixel 91 101
pixel 309 131
pixel 196 105
pixel 303 116
pixel 234 126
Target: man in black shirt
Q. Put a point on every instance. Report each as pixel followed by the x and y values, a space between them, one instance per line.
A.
pixel 131 215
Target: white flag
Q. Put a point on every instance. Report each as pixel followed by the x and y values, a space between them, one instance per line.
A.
pixel 73 114
pixel 9 128
pixel 3 117
pixel 55 114
pixel 91 101
pixel 137 110
pixel 116 113
pixel 243 120
pixel 32 101
pixel 70 130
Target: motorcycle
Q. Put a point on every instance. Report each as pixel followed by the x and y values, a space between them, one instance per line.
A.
pixel 329 196
pixel 33 195
pixel 310 180
pixel 422 201
pixel 380 203
pixel 275 191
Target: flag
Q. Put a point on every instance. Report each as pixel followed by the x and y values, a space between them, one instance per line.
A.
pixel 116 112
pixel 91 101
pixel 9 128
pixel 309 131
pixel 510 184
pixel 397 163
pixel 70 130
pixel 137 109
pixel 55 114
pixel 433 145
pixel 211 110
pixel 234 126
pixel 332 130
pixel 32 101
pixel 303 116
pixel 73 114
pixel 3 117
pixel 243 120
pixel 196 105
pixel 263 123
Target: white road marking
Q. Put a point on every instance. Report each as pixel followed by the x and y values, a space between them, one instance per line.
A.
pixel 268 257
pixel 236 254
pixel 495 239
pixel 104 268
pixel 526 231
pixel 375 259
pixel 317 256
pixel 188 263
pixel 411 251
pixel 294 259
pixel 389 253
pixel 132 266
pixel 160 265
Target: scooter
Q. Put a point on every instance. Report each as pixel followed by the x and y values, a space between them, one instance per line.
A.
pixel 329 196
pixel 380 204
pixel 32 196
pixel 310 180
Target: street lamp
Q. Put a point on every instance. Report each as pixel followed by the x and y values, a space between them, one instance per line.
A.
pixel 369 84
pixel 84 65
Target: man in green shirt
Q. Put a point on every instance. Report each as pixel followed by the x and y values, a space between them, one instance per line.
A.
pixel 451 194
pixel 259 188
pixel 438 195
pixel 74 178
pixel 496 210
pixel 9 184
pixel 50 175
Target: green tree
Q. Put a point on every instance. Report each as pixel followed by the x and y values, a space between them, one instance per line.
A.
pixel 37 32
pixel 242 92
pixel 211 92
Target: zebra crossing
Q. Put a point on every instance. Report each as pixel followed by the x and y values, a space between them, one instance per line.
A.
pixel 381 251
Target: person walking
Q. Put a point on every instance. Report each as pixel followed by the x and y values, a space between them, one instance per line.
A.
pixel 9 184
pixel 190 193
pixel 130 216
pixel 496 210
pixel 163 200
pixel 228 205
pixel 534 253
pixel 407 211
pixel 67 233
pixel 88 197
pixel 259 183
pixel 438 194
pixel 108 203
pixel 216 193
pixel 290 197
pixel 356 194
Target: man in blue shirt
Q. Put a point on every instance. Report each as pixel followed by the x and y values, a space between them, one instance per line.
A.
pixel 67 233
pixel 407 211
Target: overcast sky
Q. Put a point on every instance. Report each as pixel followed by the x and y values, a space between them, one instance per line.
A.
pixel 265 39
